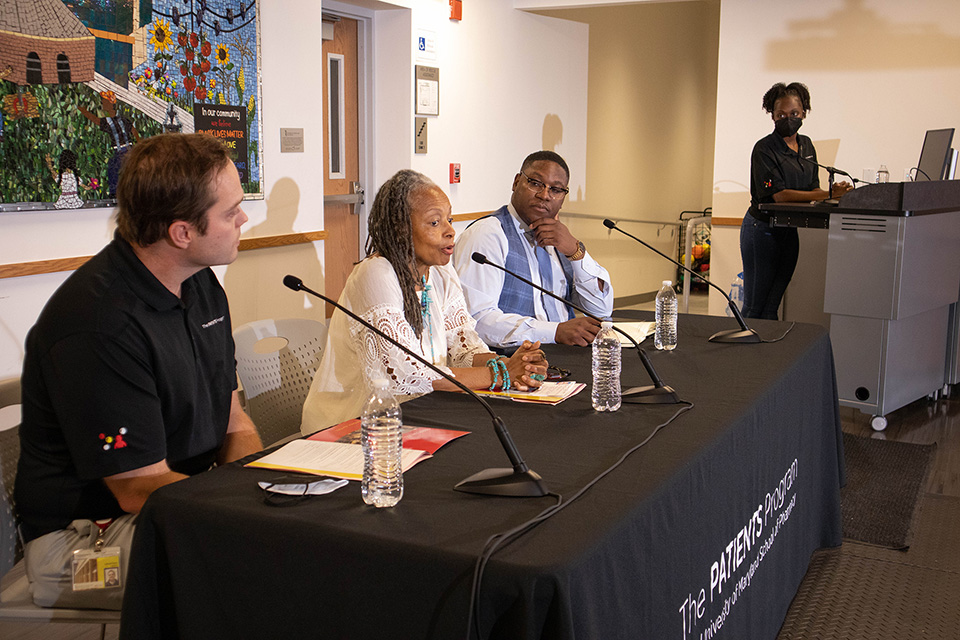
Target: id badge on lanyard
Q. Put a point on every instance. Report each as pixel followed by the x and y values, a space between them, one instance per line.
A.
pixel 98 568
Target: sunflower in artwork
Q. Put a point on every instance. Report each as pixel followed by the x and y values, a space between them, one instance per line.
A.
pixel 223 54
pixel 161 38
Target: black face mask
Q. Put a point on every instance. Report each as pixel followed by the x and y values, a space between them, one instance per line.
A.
pixel 786 127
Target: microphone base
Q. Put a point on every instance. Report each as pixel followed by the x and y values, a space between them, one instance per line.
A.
pixel 736 336
pixel 650 395
pixel 504 482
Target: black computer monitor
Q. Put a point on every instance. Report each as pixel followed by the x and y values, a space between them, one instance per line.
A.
pixel 935 154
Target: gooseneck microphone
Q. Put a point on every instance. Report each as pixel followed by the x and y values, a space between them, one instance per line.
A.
pixel 745 335
pixel 831 171
pixel 520 481
pixel 656 394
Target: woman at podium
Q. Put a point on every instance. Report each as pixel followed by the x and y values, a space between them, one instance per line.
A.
pixel 782 169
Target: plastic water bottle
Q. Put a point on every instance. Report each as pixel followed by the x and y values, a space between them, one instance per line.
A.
pixel 382 440
pixel 736 293
pixel 883 175
pixel 606 369
pixel 665 335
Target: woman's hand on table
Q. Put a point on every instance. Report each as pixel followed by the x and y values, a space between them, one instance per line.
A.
pixel 527 366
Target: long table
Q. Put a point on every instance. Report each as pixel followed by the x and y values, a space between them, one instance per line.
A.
pixel 705 532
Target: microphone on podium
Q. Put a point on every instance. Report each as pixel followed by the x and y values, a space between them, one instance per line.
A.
pixel 831 172
pixel 745 335
pixel 520 481
pixel 658 393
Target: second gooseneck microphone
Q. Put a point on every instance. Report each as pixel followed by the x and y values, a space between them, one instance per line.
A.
pixel 745 335
pixel 659 393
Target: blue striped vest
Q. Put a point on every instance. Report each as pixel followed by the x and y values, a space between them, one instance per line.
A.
pixel 515 296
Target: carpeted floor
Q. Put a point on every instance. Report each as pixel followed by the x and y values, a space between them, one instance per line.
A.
pixel 896 576
pixel 884 481
pixel 860 591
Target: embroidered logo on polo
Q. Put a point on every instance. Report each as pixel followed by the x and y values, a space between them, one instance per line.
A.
pixel 768 183
pixel 114 442
pixel 207 325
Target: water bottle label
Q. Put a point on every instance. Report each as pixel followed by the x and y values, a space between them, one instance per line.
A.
pixel 736 293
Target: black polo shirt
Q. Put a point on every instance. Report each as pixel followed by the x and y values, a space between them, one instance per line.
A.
pixel 119 374
pixel 774 167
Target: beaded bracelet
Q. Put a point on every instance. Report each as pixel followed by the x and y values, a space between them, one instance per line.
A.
pixel 499 369
pixel 506 374
pixel 492 363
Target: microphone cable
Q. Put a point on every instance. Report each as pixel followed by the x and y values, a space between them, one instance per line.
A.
pixel 504 538
pixel 789 329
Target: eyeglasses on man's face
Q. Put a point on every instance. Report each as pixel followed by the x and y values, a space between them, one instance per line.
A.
pixel 536 186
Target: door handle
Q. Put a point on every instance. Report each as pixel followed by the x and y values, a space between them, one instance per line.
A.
pixel 355 198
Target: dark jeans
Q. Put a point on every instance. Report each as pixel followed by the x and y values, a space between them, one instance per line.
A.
pixel 769 257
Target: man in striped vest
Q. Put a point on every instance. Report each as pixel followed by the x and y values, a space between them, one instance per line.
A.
pixel 528 238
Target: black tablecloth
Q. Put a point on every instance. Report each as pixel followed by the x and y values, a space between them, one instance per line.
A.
pixel 704 532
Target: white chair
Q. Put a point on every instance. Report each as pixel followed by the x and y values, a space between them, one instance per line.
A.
pixel 10 548
pixel 16 603
pixel 276 361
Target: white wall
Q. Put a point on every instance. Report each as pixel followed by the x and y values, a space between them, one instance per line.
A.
pixel 536 5
pixel 639 139
pixel 880 73
pixel 294 194
pixel 501 72
pixel 292 95
pixel 651 104
pixel 33 236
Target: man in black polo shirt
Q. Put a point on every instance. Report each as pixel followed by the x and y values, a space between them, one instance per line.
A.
pixel 129 377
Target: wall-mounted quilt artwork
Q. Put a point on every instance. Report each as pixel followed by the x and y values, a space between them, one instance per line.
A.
pixel 81 81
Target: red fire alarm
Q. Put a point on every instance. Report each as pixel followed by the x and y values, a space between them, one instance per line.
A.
pixel 456 9
pixel 454 173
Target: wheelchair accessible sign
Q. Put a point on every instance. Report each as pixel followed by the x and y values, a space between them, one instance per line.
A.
pixel 426 45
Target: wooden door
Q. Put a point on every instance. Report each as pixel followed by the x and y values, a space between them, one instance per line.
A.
pixel 341 167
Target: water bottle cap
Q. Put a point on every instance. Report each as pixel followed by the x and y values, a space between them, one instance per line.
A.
pixel 380 383
pixel 668 283
pixel 606 324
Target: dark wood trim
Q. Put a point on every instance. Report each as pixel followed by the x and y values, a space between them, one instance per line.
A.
pixel 460 217
pixel 726 222
pixel 17 269
pixel 265 242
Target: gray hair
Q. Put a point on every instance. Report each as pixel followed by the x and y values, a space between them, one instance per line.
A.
pixel 390 234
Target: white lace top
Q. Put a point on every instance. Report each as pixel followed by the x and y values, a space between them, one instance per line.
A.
pixel 354 355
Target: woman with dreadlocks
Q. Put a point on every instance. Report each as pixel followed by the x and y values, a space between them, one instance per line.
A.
pixel 407 288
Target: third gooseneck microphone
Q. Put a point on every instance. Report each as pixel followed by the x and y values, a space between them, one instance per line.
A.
pixel 744 335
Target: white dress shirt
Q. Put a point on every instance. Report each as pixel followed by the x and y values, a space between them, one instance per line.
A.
pixel 482 285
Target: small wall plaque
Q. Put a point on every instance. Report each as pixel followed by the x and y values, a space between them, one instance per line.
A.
pixel 420 135
pixel 428 91
pixel 291 140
